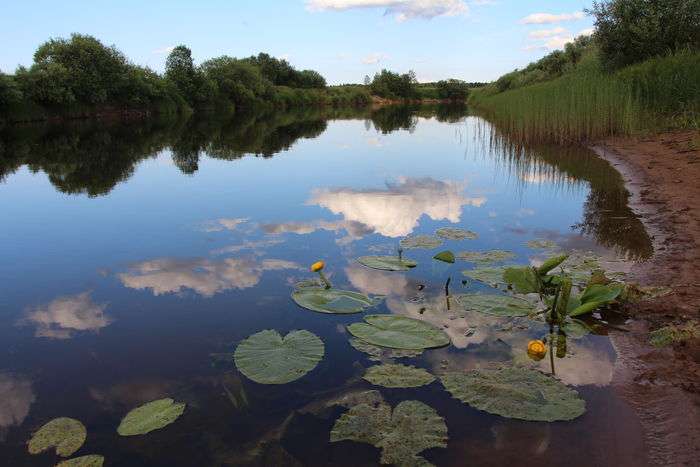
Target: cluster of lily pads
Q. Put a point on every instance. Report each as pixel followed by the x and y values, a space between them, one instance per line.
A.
pixel 404 431
pixel 67 435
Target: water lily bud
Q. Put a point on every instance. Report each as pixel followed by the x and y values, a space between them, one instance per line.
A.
pixel 536 349
pixel 317 266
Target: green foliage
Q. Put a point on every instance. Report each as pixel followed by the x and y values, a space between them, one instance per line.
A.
pixel 399 332
pixel 151 416
pixel 392 85
pixel 10 92
pixel 387 263
pixel 92 460
pixel 392 375
pixel 631 31
pixel 331 300
pixel 454 233
pixel 453 89
pixel 280 73
pixel 445 256
pixel 66 435
pixel 420 241
pixel 672 334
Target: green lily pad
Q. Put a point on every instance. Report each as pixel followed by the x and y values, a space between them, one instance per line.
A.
pixel 522 279
pixel 445 256
pixel 92 460
pixel 392 375
pixel 540 244
pixel 333 301
pixel 151 416
pixel 420 241
pixel 575 329
pixel 387 263
pixel 672 334
pixel 496 305
pixel 516 393
pixel 268 358
pixel 399 332
pixel 489 276
pixel 453 233
pixel 67 435
pixel 379 354
pixel 412 428
pixel 485 257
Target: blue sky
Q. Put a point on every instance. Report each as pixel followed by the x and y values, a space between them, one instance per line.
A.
pixel 474 40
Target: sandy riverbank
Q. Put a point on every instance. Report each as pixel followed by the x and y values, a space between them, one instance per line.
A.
pixel 662 174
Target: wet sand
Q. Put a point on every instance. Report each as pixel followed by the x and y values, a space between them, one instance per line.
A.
pixel 662 174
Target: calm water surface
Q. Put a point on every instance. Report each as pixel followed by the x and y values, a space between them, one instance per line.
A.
pixel 134 255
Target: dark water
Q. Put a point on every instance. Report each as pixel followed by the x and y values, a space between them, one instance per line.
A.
pixel 131 253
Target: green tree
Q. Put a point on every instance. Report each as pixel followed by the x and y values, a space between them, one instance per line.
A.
pixel 179 69
pixel 453 89
pixel 630 31
pixel 10 92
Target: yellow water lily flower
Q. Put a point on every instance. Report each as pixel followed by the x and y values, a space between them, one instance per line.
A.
pixel 317 266
pixel 536 349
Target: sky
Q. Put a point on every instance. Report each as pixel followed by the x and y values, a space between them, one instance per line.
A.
pixel 472 40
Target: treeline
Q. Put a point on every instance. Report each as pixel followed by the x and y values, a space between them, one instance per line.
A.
pixel 82 76
pixel 395 86
pixel 639 71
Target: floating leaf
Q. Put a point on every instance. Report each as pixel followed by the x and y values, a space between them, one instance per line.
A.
pixel 151 416
pixel 392 375
pixel 378 354
pixel 523 280
pixel 420 241
pixel 453 233
pixel 489 276
pixel 516 393
pixel 668 335
pixel 268 358
pixel 387 263
pixel 92 460
pixel 575 328
pixel 592 298
pixel 497 305
pixel 411 429
pixel 492 256
pixel 334 301
pixel 540 244
pixel 67 435
pixel 399 332
pixel 445 256
pixel 551 263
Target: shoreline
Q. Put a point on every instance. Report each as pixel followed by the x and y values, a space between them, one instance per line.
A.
pixel 662 385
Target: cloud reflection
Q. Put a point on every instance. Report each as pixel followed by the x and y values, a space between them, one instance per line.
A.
pixel 16 398
pixel 64 316
pixel 203 276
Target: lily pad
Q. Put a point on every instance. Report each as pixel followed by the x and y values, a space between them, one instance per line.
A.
pixel 92 460
pixel 575 329
pixel 412 428
pixel 489 276
pixel 486 257
pixel 268 358
pixel 398 376
pixel 445 256
pixel 67 435
pixel 399 332
pixel 540 244
pixel 518 393
pixel 522 279
pixel 151 416
pixel 333 301
pixel 379 354
pixel 387 263
pixel 420 241
pixel 496 305
pixel 453 233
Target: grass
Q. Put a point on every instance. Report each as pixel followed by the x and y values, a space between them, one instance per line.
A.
pixel 589 104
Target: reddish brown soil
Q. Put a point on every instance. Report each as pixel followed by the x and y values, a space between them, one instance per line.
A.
pixel 662 174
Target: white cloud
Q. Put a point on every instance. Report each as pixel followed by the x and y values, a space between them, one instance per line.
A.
pixel 374 58
pixel 402 10
pixel 164 50
pixel 558 42
pixel 546 18
pixel 64 316
pixel 544 33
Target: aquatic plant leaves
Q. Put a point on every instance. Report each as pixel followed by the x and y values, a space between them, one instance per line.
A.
pixel 454 233
pixel 151 416
pixel 592 298
pixel 518 393
pixel 672 334
pixel 445 256
pixel 541 244
pixel 399 332
pixel 489 276
pixel 496 305
pixel 392 375
pixel 333 301
pixel 575 328
pixel 67 435
pixel 420 241
pixel 387 263
pixel 268 358
pixel 379 354
pixel 92 460
pixel 522 279
pixel 485 257
pixel 412 428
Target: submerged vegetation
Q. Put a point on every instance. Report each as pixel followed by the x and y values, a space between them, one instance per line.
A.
pixel 639 71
